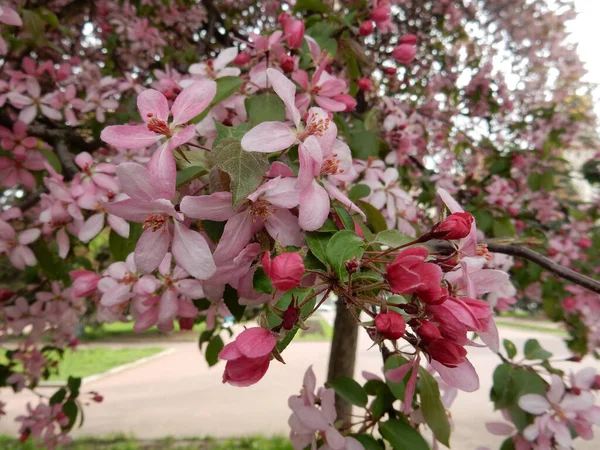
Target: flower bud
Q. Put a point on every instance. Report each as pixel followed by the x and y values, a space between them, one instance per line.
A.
pixel 455 226
pixel 404 53
pixel 347 100
pixel 381 13
pixel 584 243
pixel 364 84
pixel 446 352
pixel 428 331
pixel 390 325
pixel 290 317
pixel 366 28
pixel 389 70
pixel 285 270
pixel 286 62
pixel 241 59
pixel 5 295
pixel 85 282
pixel 352 265
pixel 186 323
pixel 409 39
pixel 283 18
pixel 569 303
pixel 294 32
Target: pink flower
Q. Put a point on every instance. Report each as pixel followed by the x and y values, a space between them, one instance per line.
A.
pixel 122 282
pixel 17 141
pixel 16 245
pixel 248 357
pixel 285 270
pixel 10 17
pixel 268 207
pixel 29 104
pixel 85 282
pixel 294 32
pixel 468 245
pixel 409 273
pixel 217 68
pixel 151 205
pixel 17 169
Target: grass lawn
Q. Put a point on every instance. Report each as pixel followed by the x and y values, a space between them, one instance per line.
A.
pixel 531 327
pixel 92 361
pixel 319 330
pixel 130 443
pixel 121 330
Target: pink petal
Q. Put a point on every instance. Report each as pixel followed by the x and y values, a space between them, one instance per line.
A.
pixel 167 308
pixel 163 171
pixel 28 236
pixel 500 428
pixel 193 100
pixel 10 17
pixel 190 288
pixel 182 137
pixel 119 225
pixel 230 352
pixel 283 227
pixel 286 90
pixel 329 104
pixel 136 181
pixel 145 320
pixel 268 137
pixel 534 403
pixel 463 376
pixel 129 136
pixel 236 235
pixel 115 295
pixel 215 206
pixel 153 104
pixel 245 371
pixel 310 157
pixel 151 249
pixel 192 253
pixel 91 227
pixel 63 243
pixel 397 375
pixel 335 440
pixel 255 342
pixel 312 418
pixel 314 207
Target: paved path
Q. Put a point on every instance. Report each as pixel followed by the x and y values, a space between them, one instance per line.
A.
pixel 178 395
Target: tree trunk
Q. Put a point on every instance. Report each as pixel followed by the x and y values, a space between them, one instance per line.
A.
pixel 343 354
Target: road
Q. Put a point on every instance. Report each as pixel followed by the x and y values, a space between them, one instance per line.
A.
pixel 178 395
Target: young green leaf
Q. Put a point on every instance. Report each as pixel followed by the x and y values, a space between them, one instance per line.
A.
pixel 350 390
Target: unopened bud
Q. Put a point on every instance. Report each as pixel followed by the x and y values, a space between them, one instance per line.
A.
pixel 390 325
pixel 428 331
pixel 364 84
pixel 241 59
pixel 389 70
pixel 366 28
pixel 455 226
pixel 352 265
pixel 290 317
pixel 286 62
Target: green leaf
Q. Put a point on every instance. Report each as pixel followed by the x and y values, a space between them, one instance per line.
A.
pixel 359 191
pixel 121 247
pixel 350 390
pixel 289 337
pixel 311 5
pixel 511 349
pixel 214 230
pixel 52 159
pixel 317 243
pixel 432 407
pixel 368 442
pixel 503 227
pixel 345 217
pixel 34 24
pixel 393 238
pixel 328 227
pixel 266 107
pixel 508 444
pixel 533 350
pixel 484 219
pixel 52 266
pixel 226 87
pixel 232 302
pixel 58 396
pixel 71 410
pixel 402 436
pixel 224 132
pixel 245 169
pixel 364 144
pixel 188 174
pixel 261 282
pixel 343 246
pixel 510 382
pixel 382 403
pixel 205 336
pixel 215 345
pixel 74 383
pixel 374 217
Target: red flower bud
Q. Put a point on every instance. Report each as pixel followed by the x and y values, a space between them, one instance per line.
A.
pixel 364 84
pixel 390 325
pixel 366 28
pixel 186 323
pixel 428 331
pixel 389 70
pixel 290 317
pixel 352 266
pixel 283 18
pixel 381 13
pixel 584 242
pixel 410 39
pixel 404 53
pixel 446 352
pixel 286 62
pixel 455 226
pixel 5 295
pixel 241 59
pixel 285 270
pixel 294 32
pixel 569 303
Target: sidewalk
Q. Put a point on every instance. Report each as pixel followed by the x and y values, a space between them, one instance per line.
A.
pixel 179 395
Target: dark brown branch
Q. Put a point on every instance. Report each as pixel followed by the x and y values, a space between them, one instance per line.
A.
pixel 535 257
pixel 66 159
pixel 548 264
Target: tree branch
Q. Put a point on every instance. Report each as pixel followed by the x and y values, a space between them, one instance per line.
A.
pixel 535 257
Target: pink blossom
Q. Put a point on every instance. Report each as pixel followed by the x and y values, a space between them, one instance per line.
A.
pixel 17 140
pixel 248 357
pixel 217 68
pixel 15 245
pixel 150 204
pixel 17 170
pixel 29 104
pixel 85 282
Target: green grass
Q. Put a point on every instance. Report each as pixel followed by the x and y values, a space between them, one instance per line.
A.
pixel 121 330
pixel 531 327
pixel 130 443
pixel 92 361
